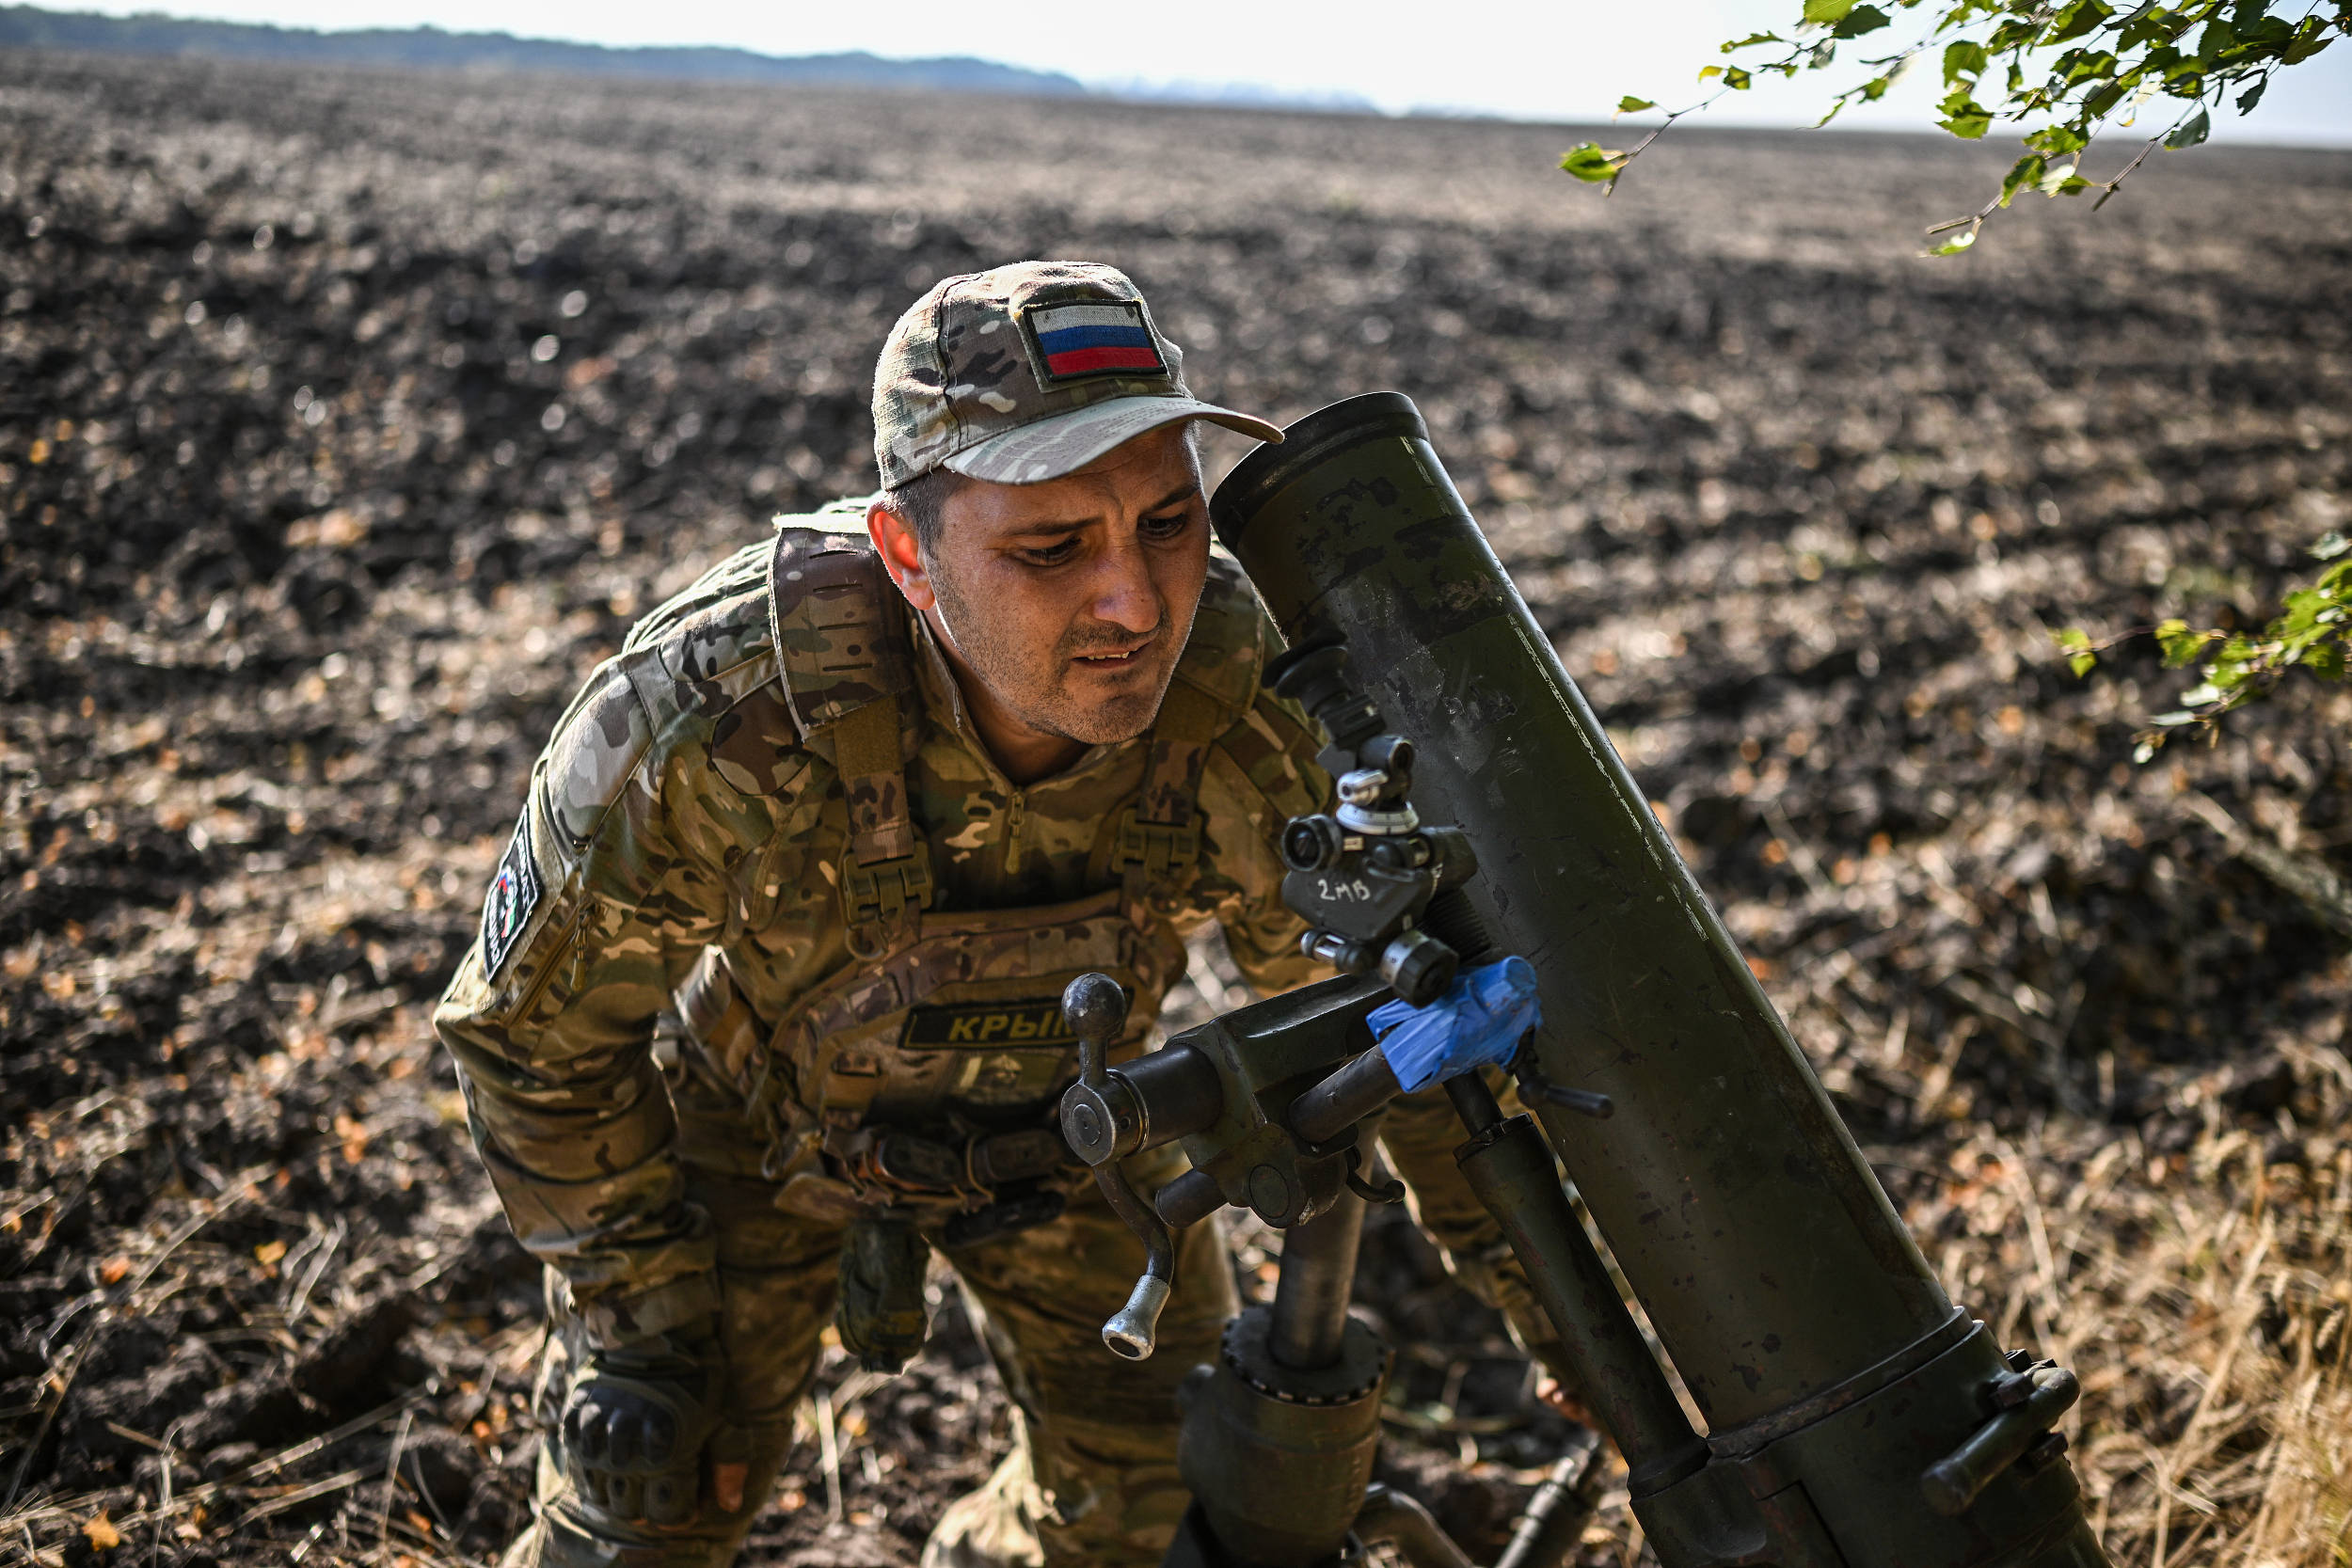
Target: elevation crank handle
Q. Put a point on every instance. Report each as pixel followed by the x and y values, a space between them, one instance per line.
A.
pixel 1095 1009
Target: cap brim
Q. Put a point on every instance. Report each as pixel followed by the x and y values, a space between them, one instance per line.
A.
pixel 1051 448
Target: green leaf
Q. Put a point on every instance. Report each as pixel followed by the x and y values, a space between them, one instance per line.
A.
pixel 2181 643
pixel 2062 181
pixel 2074 643
pixel 1593 163
pixel 1737 79
pixel 1826 13
pixel 1751 41
pixel 2304 48
pixel 1861 19
pixel 1954 246
pixel 2190 131
pixel 2017 33
pixel 2057 139
pixel 1963 59
pixel 2026 171
pixel 2076 20
pixel 2141 27
pixel 1630 105
pixel 2086 65
pixel 1969 124
pixel 2331 545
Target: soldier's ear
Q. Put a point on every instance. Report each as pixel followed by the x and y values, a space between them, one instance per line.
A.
pixel 893 540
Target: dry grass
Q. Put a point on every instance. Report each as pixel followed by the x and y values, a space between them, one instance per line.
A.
pixel 2203 1296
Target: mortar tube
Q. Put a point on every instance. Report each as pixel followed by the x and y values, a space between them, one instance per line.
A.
pixel 1312 1290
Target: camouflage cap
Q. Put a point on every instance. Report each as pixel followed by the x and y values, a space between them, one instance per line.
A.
pixel 1026 373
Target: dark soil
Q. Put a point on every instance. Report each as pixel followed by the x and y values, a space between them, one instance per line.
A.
pixel 346 420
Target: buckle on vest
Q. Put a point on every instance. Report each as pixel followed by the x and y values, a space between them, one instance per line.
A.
pixel 1158 849
pixel 879 894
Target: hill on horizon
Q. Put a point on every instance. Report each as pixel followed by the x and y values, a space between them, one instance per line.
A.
pixel 433 49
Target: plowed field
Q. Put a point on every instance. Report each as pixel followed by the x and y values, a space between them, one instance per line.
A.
pixel 346 420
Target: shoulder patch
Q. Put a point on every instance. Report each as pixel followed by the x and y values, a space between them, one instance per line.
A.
pixel 515 893
pixel 592 756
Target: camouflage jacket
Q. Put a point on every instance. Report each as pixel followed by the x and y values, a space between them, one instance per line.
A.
pixel 678 808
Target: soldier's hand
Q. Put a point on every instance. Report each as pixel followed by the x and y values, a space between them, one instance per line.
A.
pixel 1555 1385
pixel 1562 1400
pixel 636 1429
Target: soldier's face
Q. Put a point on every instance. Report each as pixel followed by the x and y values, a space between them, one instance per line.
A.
pixel 1066 604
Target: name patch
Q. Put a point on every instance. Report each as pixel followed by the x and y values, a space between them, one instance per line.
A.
pixel 514 894
pixel 975 1025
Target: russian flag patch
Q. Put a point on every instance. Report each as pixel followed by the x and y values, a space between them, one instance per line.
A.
pixel 1096 338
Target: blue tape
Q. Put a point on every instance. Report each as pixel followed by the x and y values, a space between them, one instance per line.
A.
pixel 1479 1022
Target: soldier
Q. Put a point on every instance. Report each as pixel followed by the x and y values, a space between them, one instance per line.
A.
pixel 856 807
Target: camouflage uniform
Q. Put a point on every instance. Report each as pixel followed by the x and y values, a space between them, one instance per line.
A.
pixel 771 814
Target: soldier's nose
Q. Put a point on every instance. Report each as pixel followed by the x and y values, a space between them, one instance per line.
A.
pixel 1124 595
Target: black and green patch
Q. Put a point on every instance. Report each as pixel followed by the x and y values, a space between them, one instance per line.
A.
pixel 974 1025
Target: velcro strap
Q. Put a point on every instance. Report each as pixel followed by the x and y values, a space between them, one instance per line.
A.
pixel 1159 838
pixel 865 751
pixel 1187 726
pixel 887 880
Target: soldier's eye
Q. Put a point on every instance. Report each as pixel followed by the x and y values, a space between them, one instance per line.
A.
pixel 1169 527
pixel 1050 554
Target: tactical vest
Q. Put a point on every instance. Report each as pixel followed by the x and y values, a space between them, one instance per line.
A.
pixel 927 1070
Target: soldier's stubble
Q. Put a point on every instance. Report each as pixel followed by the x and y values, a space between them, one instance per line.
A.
pixel 1034 686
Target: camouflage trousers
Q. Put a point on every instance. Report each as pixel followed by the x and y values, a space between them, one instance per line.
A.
pixel 1092 1475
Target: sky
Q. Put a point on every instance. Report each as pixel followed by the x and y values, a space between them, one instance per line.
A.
pixel 1565 60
